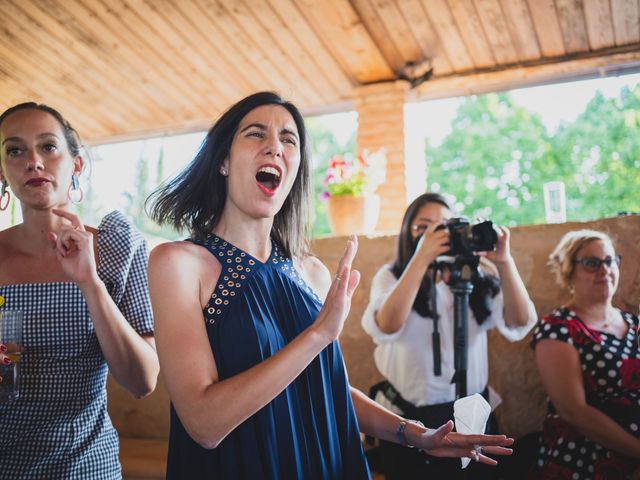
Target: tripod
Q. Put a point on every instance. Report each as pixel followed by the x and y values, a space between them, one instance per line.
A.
pixel 464 269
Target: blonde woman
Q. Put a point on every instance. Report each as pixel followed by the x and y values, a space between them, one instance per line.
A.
pixel 588 357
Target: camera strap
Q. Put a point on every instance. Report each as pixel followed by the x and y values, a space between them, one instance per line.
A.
pixel 435 336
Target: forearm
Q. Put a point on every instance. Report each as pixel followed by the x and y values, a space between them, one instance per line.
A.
pixel 599 427
pixel 132 359
pixel 235 399
pixel 378 422
pixel 394 311
pixel 373 419
pixel 517 306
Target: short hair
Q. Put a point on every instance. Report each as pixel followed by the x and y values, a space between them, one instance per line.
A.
pixel 562 259
pixel 70 133
pixel 194 199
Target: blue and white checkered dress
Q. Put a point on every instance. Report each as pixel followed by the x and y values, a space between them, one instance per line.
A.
pixel 59 427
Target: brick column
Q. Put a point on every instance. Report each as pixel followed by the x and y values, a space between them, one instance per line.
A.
pixel 380 110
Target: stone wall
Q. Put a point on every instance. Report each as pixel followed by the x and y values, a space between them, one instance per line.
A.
pixel 512 369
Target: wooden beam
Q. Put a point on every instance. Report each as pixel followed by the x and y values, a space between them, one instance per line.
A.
pixel 547 26
pixel 426 36
pixel 598 64
pixel 625 21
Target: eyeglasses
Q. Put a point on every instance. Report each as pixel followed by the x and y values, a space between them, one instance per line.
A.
pixel 419 229
pixel 593 264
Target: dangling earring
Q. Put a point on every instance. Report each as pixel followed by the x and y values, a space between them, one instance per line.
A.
pixel 75 187
pixel 5 197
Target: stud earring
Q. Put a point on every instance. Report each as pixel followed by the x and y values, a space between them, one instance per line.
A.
pixel 5 197
pixel 75 198
pixel 223 171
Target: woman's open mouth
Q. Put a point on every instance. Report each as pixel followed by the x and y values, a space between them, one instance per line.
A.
pixel 268 179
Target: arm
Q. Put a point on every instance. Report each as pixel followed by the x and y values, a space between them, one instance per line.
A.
pixel 518 310
pixel 396 307
pixel 131 358
pixel 559 367
pixel 379 422
pixel 179 283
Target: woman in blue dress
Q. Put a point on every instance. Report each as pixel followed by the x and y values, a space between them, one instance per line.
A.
pixel 247 320
pixel 84 297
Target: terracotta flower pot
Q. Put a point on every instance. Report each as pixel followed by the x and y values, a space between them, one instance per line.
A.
pixel 353 215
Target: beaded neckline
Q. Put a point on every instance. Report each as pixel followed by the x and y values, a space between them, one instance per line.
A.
pixel 237 269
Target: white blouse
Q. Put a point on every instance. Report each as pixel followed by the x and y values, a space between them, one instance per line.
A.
pixel 405 357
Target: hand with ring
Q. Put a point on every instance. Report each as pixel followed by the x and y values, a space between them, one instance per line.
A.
pixel 443 442
pixel 337 303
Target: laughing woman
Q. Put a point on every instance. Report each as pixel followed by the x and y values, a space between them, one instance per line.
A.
pixel 247 320
pixel 85 303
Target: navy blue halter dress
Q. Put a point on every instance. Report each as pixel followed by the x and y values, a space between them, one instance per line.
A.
pixel 309 431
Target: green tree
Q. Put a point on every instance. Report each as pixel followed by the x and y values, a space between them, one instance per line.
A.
pixel 499 155
pixel 136 200
pixel 491 160
pixel 598 156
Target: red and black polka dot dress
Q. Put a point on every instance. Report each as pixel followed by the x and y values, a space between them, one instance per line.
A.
pixel 611 375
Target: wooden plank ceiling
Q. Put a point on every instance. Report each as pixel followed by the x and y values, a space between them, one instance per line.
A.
pixel 126 68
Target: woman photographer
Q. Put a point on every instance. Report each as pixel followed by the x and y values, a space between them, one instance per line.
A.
pixel 399 318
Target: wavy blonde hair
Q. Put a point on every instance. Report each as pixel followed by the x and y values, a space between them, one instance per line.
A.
pixel 562 259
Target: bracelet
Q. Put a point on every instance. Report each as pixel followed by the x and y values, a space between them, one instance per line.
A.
pixel 401 429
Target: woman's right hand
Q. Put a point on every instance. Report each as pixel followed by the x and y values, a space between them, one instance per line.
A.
pixel 443 442
pixel 5 351
pixel 336 307
pixel 433 243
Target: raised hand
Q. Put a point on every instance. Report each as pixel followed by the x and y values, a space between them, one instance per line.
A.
pixel 443 442
pixel 338 301
pixel 432 244
pixel 502 252
pixel 74 249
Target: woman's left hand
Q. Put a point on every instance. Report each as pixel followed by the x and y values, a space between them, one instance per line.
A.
pixel 443 442
pixel 502 253
pixel 74 248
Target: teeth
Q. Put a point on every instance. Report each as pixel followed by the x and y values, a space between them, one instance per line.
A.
pixel 270 170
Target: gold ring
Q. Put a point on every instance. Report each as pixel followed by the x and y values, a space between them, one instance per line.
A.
pixel 338 277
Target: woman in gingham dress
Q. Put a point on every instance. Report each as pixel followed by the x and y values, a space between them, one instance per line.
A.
pixel 587 354
pixel 83 294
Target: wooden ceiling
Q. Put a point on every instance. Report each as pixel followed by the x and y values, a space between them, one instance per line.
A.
pixel 127 68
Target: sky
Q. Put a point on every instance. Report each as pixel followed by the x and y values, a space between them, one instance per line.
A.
pixel 113 169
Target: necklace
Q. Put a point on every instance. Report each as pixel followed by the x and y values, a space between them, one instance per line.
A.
pixel 610 318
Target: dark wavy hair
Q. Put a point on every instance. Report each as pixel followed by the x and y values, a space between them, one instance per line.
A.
pixel 70 133
pixel 193 200
pixel 485 286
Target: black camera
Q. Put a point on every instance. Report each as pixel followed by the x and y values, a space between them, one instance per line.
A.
pixel 466 238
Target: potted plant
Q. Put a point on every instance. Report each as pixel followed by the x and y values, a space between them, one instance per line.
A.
pixel 352 205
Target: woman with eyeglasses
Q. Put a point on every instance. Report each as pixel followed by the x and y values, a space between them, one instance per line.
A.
pixel 587 355
pixel 400 320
